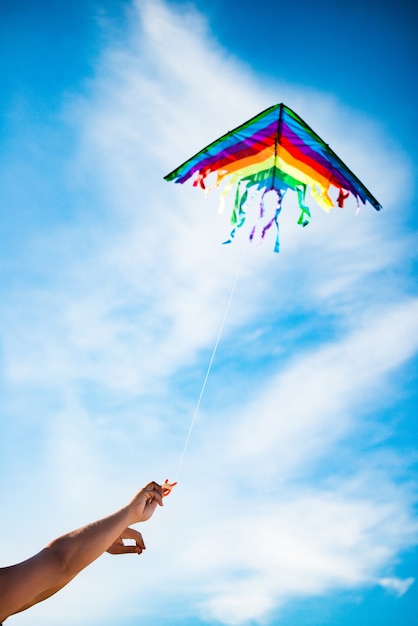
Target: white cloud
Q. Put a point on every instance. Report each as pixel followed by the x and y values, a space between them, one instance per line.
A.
pixel 118 333
pixel 398 586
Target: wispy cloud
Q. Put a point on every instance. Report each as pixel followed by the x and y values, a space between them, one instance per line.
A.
pixel 115 335
pixel 399 586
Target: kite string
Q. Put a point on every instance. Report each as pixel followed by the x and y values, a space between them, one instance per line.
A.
pixel 212 358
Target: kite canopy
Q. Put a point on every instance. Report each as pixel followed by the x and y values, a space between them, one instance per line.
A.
pixel 275 150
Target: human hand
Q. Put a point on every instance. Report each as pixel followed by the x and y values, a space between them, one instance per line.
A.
pixel 119 547
pixel 144 503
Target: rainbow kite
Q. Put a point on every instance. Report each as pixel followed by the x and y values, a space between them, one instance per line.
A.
pixel 275 150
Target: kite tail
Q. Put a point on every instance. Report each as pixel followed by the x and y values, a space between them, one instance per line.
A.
pixel 276 220
pixel 273 220
pixel 305 214
pixel 342 197
pixel 322 198
pixel 260 215
pixel 199 180
pixel 225 192
pixel 238 213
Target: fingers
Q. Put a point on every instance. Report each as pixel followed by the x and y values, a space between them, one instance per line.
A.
pixel 120 548
pixel 132 534
pixel 153 491
pixel 129 542
pixel 153 487
pixel 145 502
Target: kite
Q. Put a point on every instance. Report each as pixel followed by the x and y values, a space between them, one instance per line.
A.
pixel 273 151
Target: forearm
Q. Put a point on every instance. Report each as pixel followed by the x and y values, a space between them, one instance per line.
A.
pixel 76 550
pixel 42 575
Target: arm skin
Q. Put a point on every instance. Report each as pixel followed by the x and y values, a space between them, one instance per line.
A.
pixel 39 577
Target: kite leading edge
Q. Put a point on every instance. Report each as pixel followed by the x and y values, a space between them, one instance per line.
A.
pixel 274 151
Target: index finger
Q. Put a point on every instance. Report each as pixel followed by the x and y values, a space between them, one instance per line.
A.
pixel 131 533
pixel 154 491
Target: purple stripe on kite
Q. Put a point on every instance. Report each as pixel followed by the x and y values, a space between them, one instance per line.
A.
pixel 247 147
pixel 351 183
pixel 312 153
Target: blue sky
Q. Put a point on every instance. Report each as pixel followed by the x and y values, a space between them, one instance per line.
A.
pixel 297 495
